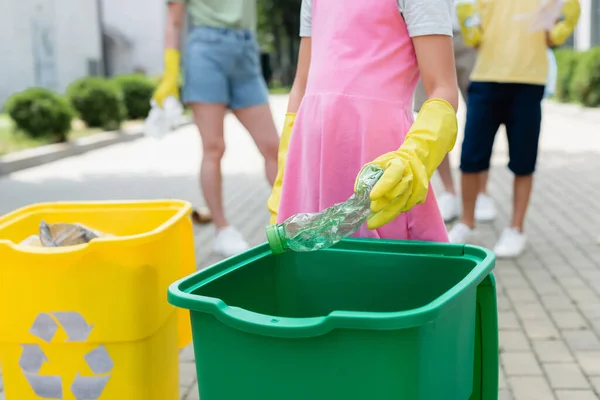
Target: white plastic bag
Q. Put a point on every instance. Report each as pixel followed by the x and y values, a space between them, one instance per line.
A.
pixel 162 120
pixel 545 17
pixel 552 74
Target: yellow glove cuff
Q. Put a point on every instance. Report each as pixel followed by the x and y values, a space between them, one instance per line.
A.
pixel 284 142
pixel 560 33
pixel 470 26
pixel 172 63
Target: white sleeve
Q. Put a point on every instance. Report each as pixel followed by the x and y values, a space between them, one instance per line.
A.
pixel 306 18
pixel 427 17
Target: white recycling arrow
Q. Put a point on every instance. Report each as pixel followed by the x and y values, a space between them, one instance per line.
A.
pixel 74 325
pixel 46 387
pixel 32 358
pixel 44 327
pixel 88 387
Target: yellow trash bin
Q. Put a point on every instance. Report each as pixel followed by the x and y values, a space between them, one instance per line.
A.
pixel 92 321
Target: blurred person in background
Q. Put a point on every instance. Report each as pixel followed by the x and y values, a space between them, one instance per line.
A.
pixel 507 87
pixel 448 200
pixel 222 71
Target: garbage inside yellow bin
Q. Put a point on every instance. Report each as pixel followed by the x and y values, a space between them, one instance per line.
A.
pixel 91 320
pixel 61 235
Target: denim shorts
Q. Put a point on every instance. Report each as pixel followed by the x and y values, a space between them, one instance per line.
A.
pixel 222 66
pixel 516 105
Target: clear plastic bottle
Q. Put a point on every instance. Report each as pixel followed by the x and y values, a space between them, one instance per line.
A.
pixel 317 231
pixel 162 120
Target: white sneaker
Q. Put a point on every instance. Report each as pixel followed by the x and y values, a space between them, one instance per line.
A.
pixel 449 206
pixel 461 233
pixel 512 243
pixel 229 242
pixel 485 209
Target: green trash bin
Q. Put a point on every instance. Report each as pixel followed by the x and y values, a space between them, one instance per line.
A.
pixel 364 320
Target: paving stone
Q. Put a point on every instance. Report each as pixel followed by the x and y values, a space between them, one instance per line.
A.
pixel 513 341
pixel 521 364
pixel 540 329
pixel 193 394
pixel 576 395
pixel 530 388
pixel 589 361
pixel 504 394
pixel 566 376
pixel 596 383
pixel 582 340
pixel 552 351
pixel 508 321
pixel 187 375
pixel 568 320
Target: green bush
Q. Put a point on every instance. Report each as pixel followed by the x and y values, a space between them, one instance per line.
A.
pixel 41 113
pixel 585 85
pixel 137 92
pixel 98 101
pixel 566 60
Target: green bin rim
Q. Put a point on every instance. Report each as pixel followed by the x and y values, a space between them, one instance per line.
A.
pixel 180 292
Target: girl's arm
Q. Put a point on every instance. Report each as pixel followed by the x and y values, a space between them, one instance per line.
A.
pixel 169 85
pixel 175 15
pixel 435 56
pixel 299 86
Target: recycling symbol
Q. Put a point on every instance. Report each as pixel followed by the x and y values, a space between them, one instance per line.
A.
pixel 77 329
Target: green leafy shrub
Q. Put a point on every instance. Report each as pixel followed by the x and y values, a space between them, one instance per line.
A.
pixel 566 60
pixel 137 92
pixel 585 85
pixel 41 113
pixel 98 101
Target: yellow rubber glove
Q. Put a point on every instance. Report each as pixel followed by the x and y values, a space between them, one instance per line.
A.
pixel 169 84
pixel 407 171
pixel 284 142
pixel 469 21
pixel 571 11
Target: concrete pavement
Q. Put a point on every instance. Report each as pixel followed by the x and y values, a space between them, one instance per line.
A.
pixel 549 299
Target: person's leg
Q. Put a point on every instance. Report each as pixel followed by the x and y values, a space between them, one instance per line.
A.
pixel 484 116
pixel 258 120
pixel 209 120
pixel 210 56
pixel 523 132
pixel 250 103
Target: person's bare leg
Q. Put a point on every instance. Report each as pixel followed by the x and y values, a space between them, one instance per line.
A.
pixel 522 193
pixel 258 120
pixel 445 172
pixel 470 184
pixel 209 119
pixel 483 181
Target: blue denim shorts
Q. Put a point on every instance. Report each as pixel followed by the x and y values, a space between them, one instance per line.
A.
pixel 222 66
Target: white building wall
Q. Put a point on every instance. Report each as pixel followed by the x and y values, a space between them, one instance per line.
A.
pixel 142 24
pixel 73 38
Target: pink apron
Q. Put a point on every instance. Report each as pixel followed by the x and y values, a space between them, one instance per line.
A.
pixel 357 106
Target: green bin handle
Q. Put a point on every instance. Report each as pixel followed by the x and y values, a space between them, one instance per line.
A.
pixel 485 373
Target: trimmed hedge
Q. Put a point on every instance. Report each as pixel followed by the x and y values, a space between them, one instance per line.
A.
pixel 137 92
pixel 41 113
pixel 98 101
pixel 578 76
pixel 585 83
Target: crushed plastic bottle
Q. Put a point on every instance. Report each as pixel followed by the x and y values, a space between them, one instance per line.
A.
pixel 162 120
pixel 318 231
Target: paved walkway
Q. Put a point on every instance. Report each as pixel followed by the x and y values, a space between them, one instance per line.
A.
pixel 549 299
